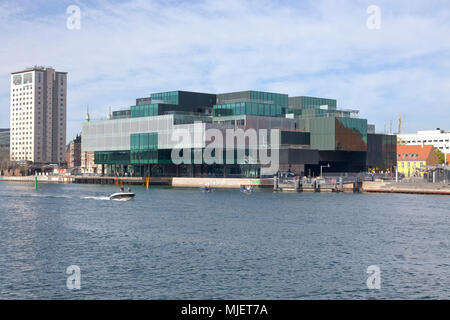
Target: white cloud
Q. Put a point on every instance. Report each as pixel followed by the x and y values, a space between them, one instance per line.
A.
pixel 127 50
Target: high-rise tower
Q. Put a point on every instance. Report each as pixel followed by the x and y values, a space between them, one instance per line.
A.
pixel 38 115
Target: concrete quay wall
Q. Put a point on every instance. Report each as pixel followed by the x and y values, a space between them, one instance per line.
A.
pixel 40 179
pixel 227 183
pixel 411 188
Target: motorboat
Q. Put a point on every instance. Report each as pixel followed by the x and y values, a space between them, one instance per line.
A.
pixel 122 196
pixel 247 189
pixel 207 189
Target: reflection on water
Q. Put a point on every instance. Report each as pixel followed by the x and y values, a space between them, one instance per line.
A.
pixel 185 244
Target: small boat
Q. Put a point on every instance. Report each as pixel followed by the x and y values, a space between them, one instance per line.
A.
pixel 247 189
pixel 122 196
pixel 206 189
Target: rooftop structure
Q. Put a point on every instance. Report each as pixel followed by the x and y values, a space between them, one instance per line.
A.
pixel 438 138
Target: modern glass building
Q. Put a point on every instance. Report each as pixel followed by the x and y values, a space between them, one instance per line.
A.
pixel 305 103
pixel 4 138
pixel 140 141
pixel 381 151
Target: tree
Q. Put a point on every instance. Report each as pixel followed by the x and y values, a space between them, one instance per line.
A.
pixel 4 159
pixel 440 155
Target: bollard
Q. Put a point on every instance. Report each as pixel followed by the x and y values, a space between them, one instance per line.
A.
pixel 275 183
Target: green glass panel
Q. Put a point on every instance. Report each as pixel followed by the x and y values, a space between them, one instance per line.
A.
pixel 260 109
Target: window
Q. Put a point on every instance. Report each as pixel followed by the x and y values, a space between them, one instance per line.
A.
pixel 17 79
pixel 27 78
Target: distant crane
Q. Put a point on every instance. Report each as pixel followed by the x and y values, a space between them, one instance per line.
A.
pixel 400 124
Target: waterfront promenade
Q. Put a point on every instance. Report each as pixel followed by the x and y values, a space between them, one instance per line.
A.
pixel 236 183
pixel 411 188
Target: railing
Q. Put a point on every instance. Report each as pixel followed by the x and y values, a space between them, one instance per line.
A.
pixel 413 180
pixel 359 176
pixel 239 100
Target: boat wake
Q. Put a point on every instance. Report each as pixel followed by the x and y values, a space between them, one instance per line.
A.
pixel 96 198
pixel 42 196
pixel 121 200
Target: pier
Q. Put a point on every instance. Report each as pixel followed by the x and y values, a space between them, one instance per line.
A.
pixel 88 180
pixel 162 181
pixel 339 184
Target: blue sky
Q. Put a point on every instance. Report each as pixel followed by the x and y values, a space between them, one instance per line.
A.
pixel 128 49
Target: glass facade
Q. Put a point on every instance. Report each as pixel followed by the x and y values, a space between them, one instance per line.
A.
pixel 115 157
pixel 248 108
pixel 180 118
pixel 146 110
pixel 305 103
pixel 294 112
pixel 144 141
pixel 170 97
pixel 254 96
pixel 336 133
pixel 269 97
pixel 312 103
pixel 351 134
pixel 121 114
pixel 140 140
pixel 313 113
pixel 142 101
pixel 114 135
pixel 144 157
pixel 381 150
pixel 294 138
pixel 322 133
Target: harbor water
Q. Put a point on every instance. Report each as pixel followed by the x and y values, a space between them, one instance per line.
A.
pixel 180 243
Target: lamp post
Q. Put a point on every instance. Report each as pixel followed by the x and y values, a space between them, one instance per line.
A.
pixel 327 166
